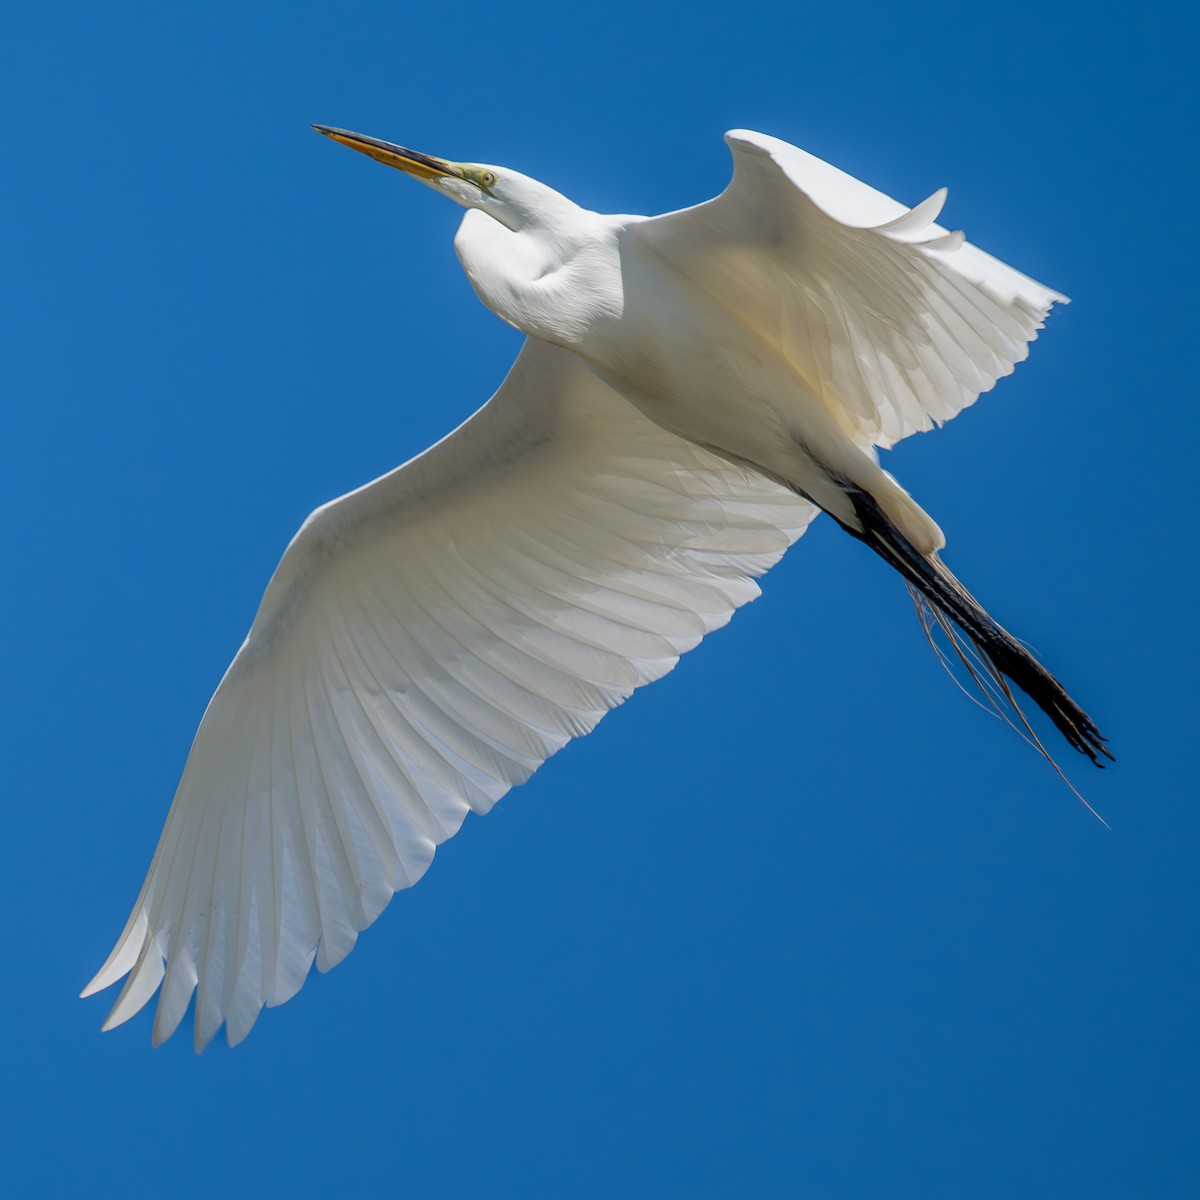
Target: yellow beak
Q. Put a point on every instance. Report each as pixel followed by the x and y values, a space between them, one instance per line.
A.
pixel 423 166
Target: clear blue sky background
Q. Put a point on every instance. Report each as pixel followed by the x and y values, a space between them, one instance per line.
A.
pixel 797 921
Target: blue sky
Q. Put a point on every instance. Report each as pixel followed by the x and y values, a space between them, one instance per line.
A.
pixel 799 920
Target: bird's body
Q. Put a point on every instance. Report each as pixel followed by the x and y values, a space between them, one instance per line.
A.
pixel 694 388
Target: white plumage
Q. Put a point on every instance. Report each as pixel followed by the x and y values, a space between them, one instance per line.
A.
pixel 694 388
pixel 898 322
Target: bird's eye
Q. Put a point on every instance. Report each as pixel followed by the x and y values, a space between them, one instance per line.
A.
pixel 487 178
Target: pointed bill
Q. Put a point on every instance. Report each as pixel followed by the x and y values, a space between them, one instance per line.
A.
pixel 423 166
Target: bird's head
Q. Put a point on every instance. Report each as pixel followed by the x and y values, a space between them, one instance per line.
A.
pixel 516 241
pixel 511 198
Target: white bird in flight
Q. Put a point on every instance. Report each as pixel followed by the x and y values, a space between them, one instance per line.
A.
pixel 694 388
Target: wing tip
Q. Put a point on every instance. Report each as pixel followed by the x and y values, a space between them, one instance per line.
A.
pixel 124 956
pixel 762 142
pixel 96 984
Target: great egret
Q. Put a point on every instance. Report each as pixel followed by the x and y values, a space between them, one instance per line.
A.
pixel 693 389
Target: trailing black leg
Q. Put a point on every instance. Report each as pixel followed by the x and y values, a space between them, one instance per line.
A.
pixel 1000 653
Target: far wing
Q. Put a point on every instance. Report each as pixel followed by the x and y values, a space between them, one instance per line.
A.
pixel 426 642
pixel 896 322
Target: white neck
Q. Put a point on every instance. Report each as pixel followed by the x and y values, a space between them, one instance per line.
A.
pixel 526 251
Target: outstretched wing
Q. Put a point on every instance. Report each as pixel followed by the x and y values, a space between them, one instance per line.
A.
pixel 896 322
pixel 426 642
